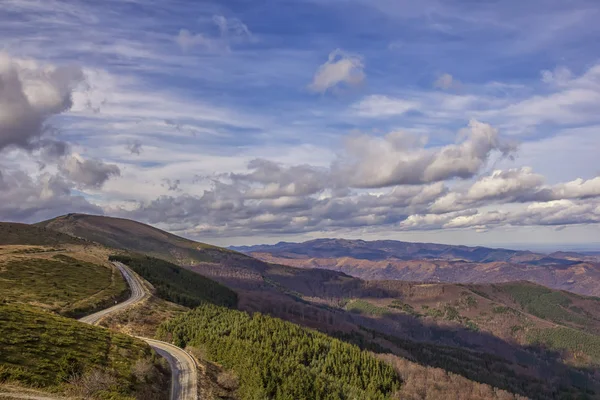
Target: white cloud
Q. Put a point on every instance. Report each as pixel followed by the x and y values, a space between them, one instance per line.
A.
pixel 560 76
pixel 231 31
pixel 387 161
pixel 505 184
pixel 446 81
pixel 341 67
pixel 376 106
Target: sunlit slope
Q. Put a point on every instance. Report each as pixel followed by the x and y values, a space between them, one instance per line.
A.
pixel 134 236
pixel 44 350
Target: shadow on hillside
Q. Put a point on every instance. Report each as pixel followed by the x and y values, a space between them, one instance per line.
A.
pixel 531 371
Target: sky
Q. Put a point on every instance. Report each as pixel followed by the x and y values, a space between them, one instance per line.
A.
pixel 244 122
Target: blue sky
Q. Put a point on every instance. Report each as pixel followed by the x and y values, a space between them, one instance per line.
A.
pixel 253 121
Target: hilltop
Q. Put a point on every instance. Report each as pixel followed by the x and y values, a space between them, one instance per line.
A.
pixel 481 335
pixel 134 236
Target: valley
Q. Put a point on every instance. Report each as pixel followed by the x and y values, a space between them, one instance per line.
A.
pixel 487 341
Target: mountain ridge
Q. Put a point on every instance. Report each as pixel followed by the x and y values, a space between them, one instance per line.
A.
pixel 450 326
pixel 430 262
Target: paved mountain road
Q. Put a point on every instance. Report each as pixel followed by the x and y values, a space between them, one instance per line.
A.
pixel 184 380
pixel 184 383
pixel 138 293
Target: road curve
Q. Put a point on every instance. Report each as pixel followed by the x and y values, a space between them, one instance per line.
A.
pixel 184 383
pixel 184 379
pixel 138 293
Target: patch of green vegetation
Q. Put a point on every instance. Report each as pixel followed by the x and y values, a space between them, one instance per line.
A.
pixel 434 312
pixel 448 312
pixel 469 301
pixel 544 303
pixel 502 310
pixel 471 325
pixel 44 350
pixel 177 284
pixel 63 284
pixel 570 339
pixel 516 328
pixel 451 313
pixel 275 359
pixel 359 306
pixel 405 307
pixel 480 293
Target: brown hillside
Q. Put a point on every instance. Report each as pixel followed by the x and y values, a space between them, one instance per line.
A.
pixel 134 236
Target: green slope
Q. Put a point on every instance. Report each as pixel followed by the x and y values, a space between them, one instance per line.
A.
pixel 40 349
pixel 275 359
pixel 179 285
pixel 60 283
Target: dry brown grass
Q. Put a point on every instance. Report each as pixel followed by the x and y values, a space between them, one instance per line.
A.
pixel 143 319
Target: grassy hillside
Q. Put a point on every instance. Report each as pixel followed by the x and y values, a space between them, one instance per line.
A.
pixel 515 312
pixel 134 236
pixel 560 307
pixel 14 233
pixel 58 281
pixel 40 349
pixel 278 360
pixel 179 285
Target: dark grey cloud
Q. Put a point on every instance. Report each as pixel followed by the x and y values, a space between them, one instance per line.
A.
pixel 276 180
pixel 411 192
pixel 172 185
pixel 27 199
pixel 134 147
pixel 234 209
pixel 87 173
pixel 29 95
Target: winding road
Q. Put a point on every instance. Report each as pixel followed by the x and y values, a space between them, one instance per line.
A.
pixel 138 293
pixel 184 380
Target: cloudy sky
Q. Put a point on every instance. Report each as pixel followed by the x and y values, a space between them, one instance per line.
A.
pixel 241 122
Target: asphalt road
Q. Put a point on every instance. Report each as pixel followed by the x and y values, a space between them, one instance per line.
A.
pixel 184 379
pixel 184 382
pixel 138 293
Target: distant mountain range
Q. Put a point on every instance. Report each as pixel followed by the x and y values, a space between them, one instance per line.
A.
pixel 443 338
pixel 430 262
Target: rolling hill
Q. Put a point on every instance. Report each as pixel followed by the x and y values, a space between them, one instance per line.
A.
pixel 12 233
pixel 428 262
pixel 134 236
pixel 44 350
pixel 490 338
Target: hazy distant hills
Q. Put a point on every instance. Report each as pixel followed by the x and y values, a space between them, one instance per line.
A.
pixel 443 338
pixel 429 262
pixel 383 249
